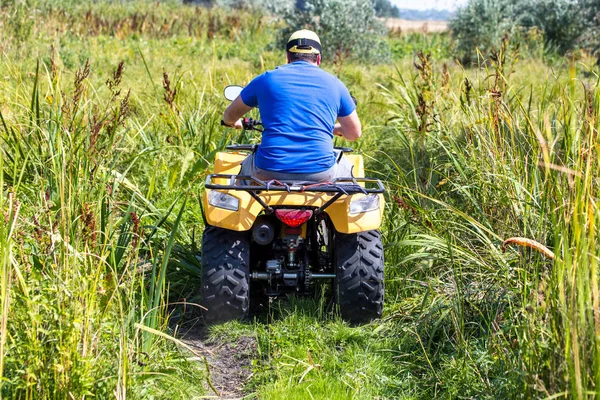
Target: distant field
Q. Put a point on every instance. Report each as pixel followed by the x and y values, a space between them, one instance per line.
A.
pixel 416 26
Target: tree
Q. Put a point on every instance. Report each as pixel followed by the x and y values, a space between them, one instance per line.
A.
pixel 560 20
pixel 347 28
pixel 590 39
pixel 482 23
pixel 383 8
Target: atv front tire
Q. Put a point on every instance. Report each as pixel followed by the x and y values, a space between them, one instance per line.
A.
pixel 359 276
pixel 225 274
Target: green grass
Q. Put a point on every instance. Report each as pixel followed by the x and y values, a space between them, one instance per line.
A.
pixel 101 217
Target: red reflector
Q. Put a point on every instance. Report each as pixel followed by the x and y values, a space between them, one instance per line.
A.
pixel 293 218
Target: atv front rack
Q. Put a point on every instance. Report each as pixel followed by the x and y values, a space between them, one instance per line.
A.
pixel 338 187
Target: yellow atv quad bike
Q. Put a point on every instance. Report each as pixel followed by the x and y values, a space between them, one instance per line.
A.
pixel 284 236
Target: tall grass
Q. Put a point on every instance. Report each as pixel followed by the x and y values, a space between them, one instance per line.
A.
pixel 497 161
pixel 73 267
pixel 78 240
pixel 100 213
pixel 101 144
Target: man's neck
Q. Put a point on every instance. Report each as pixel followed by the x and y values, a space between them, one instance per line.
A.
pixel 304 61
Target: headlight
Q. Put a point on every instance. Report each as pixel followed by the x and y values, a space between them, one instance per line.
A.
pixel 364 204
pixel 223 200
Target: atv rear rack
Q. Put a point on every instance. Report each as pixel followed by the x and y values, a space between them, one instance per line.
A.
pixel 338 187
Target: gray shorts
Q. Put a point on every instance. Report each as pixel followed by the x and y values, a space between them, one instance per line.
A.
pixel 341 169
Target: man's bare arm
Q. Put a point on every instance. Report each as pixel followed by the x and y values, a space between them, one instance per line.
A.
pixel 349 127
pixel 234 112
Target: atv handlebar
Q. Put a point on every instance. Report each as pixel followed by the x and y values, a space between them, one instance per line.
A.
pixel 249 124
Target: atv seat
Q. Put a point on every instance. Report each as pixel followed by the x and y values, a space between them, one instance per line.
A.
pixel 229 163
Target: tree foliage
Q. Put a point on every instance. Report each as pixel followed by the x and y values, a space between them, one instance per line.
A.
pixel 565 24
pixel 590 39
pixel 482 24
pixel 383 8
pixel 347 28
pixel 560 20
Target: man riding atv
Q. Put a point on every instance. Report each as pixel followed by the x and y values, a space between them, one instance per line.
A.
pixel 295 211
pixel 299 104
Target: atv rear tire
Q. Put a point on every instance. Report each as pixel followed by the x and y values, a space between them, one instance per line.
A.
pixel 359 276
pixel 225 274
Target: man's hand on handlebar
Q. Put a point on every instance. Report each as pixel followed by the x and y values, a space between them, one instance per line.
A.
pixel 248 124
pixel 237 124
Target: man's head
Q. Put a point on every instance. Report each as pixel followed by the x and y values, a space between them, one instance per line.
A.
pixel 304 45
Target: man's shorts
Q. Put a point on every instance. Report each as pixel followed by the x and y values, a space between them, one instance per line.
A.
pixel 341 169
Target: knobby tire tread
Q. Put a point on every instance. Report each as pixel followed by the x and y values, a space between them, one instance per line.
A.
pixel 359 283
pixel 225 274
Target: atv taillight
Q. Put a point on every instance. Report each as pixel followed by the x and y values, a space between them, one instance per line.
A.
pixel 293 218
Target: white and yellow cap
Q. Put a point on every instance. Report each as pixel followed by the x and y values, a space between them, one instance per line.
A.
pixel 304 41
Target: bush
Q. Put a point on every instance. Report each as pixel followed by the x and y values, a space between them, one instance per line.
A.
pixel 560 21
pixel 347 28
pixel 383 8
pixel 482 23
pixel 590 40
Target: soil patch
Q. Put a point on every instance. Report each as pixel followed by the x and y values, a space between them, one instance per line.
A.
pixel 230 363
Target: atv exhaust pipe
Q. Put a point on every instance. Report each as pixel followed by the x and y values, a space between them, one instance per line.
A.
pixel 263 232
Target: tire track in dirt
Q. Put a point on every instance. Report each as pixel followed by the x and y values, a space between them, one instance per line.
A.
pixel 230 363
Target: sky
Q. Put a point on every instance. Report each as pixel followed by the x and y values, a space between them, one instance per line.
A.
pixel 427 4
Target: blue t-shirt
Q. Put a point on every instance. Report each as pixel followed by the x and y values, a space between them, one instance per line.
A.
pixel 299 103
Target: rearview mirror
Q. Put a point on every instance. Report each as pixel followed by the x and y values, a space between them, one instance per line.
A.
pixel 232 92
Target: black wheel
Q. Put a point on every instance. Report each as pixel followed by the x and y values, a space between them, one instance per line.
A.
pixel 225 274
pixel 359 275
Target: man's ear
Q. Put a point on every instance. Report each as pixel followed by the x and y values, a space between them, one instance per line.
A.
pixel 287 57
pixel 318 59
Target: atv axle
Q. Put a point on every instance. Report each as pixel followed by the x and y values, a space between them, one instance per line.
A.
pixel 264 276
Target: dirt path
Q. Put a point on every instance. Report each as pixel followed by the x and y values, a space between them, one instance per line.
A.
pixel 229 363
